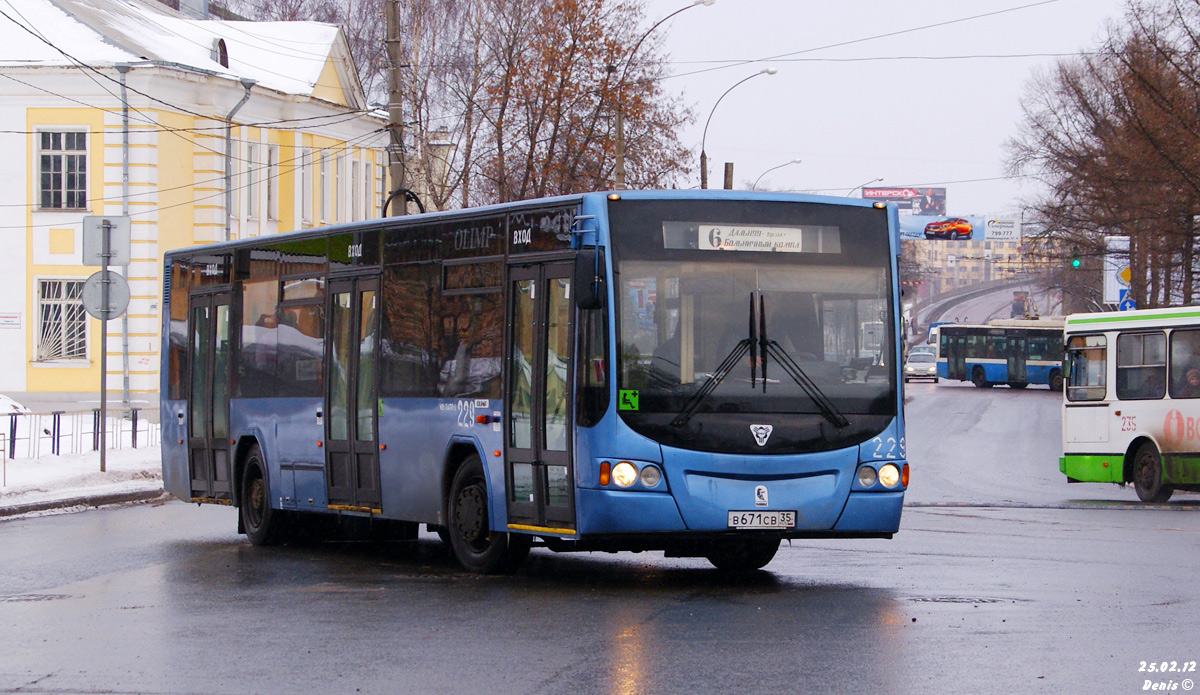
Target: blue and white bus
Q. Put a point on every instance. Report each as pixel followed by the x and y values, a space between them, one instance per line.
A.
pixel 1014 352
pixel 673 371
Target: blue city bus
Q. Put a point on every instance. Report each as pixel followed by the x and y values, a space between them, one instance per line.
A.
pixel 624 371
pixel 1014 352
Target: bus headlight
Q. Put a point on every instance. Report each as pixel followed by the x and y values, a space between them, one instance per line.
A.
pixel 651 476
pixel 866 476
pixel 624 474
pixel 889 475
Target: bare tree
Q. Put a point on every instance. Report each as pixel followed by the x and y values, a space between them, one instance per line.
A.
pixel 522 88
pixel 1114 137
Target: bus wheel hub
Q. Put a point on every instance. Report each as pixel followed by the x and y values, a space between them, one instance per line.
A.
pixel 468 513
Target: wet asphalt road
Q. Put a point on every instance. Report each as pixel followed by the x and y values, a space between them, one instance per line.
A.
pixel 1003 579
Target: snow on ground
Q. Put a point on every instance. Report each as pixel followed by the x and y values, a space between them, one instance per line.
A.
pixel 63 478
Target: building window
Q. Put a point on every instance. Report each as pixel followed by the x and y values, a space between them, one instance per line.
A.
pixel 381 179
pixel 367 166
pixel 306 185
pixel 324 186
pixel 252 176
pixel 273 182
pixel 62 170
pixel 355 192
pixel 62 321
pixel 338 193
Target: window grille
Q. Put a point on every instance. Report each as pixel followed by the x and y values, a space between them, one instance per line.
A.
pixel 62 330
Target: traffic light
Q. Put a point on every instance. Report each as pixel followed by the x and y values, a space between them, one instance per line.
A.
pixel 1075 262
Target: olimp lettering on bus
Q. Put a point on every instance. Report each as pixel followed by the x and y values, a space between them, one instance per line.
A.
pixel 473 238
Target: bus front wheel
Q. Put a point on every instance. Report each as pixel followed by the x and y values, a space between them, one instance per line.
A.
pixel 743 555
pixel 980 379
pixel 1147 475
pixel 476 547
pixel 262 524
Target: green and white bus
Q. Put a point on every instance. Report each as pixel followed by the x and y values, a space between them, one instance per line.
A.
pixel 1131 410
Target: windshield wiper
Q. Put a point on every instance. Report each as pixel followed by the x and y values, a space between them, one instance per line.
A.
pixel 714 380
pixel 826 406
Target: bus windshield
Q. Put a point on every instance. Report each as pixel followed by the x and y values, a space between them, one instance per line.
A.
pixel 815 280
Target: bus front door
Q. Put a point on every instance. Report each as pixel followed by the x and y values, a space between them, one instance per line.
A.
pixel 351 403
pixel 538 472
pixel 1017 349
pixel 208 396
pixel 956 357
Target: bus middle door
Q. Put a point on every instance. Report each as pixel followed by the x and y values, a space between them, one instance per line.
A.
pixel 538 417
pixel 956 357
pixel 351 403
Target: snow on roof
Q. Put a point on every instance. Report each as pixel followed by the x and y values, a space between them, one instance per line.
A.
pixel 285 56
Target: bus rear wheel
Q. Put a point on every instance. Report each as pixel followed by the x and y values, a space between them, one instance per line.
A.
pixel 1147 475
pixel 476 547
pixel 1056 381
pixel 742 555
pixel 262 524
pixel 980 379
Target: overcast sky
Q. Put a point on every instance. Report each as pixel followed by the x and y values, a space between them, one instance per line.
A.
pixel 908 121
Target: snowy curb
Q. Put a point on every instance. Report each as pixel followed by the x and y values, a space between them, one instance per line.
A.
pixel 84 501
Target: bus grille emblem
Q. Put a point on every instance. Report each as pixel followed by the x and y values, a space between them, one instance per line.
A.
pixel 760 496
pixel 761 433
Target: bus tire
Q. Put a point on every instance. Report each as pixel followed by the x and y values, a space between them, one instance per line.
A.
pixel 1147 475
pixel 476 547
pixel 743 555
pixel 262 524
pixel 1056 381
pixel 979 379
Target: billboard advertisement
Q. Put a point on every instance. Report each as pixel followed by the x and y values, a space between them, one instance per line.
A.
pixel 1002 229
pixel 911 200
pixel 954 227
pixel 941 227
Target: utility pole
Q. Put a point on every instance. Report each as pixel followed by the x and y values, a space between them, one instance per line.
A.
pixel 395 114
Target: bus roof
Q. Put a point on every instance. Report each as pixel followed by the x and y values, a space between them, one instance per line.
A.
pixel 1137 318
pixel 400 222
pixel 1039 322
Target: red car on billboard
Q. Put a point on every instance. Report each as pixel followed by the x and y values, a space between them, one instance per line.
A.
pixel 949 228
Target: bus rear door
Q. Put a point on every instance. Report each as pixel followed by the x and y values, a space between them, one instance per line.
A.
pixel 537 414
pixel 1018 346
pixel 208 395
pixel 351 404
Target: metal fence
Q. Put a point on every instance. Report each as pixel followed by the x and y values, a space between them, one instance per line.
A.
pixel 60 432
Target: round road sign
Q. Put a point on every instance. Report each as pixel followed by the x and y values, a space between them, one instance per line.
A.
pixel 103 307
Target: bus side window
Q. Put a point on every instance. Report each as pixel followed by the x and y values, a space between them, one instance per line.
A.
pixel 1141 366
pixel 1087 357
pixel 592 379
pixel 1185 364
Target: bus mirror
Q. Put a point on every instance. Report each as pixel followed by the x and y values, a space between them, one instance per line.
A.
pixel 589 279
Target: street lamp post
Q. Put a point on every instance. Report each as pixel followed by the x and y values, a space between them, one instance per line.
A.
pixel 619 168
pixel 852 190
pixel 704 137
pixel 754 186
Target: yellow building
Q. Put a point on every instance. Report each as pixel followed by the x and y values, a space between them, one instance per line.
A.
pixel 947 265
pixel 303 149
